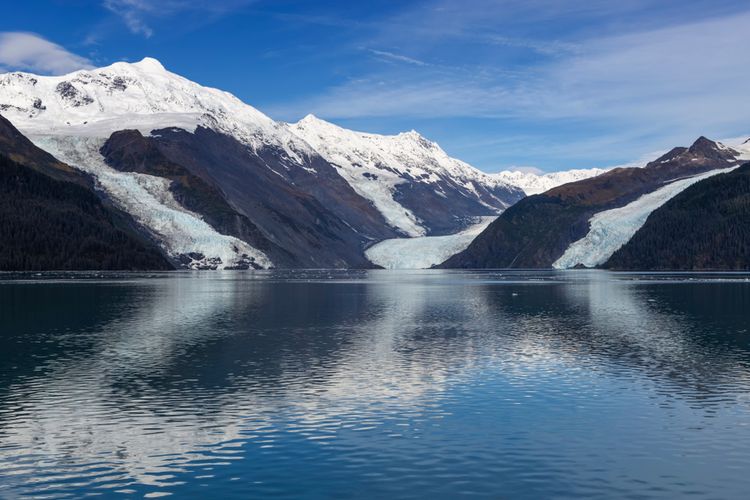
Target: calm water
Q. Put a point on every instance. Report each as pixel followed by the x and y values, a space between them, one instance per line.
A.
pixel 377 384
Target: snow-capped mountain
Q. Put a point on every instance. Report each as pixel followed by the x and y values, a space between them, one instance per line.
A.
pixel 533 183
pixel 402 174
pixel 250 190
pixel 142 96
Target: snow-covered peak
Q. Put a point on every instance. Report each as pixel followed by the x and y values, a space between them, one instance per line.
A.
pixel 374 165
pixel 142 95
pixel 406 152
pixel 150 64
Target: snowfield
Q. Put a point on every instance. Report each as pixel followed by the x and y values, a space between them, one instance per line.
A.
pixel 611 229
pixel 147 198
pixel 423 252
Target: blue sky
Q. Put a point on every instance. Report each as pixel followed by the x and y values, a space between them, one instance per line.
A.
pixel 498 83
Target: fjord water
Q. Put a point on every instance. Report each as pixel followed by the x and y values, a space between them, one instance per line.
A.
pixel 375 383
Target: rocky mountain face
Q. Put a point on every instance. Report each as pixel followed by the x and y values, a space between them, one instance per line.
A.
pixel 51 218
pixel 220 185
pixel 312 213
pixel 540 231
pixel 705 227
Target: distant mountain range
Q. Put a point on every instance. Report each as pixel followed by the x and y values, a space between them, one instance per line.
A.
pixel 532 183
pixel 169 173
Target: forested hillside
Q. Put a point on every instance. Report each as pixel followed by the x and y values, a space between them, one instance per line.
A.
pixel 47 224
pixel 706 227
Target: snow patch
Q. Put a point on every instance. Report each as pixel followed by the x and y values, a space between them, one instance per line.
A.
pixel 611 229
pixel 423 252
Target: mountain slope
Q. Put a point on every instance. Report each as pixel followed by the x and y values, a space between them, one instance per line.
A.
pixel 130 151
pixel 539 229
pixel 418 188
pixel 324 224
pixel 52 219
pixel 705 227
pixel 611 229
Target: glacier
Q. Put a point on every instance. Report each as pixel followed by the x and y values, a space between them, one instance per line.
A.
pixel 181 234
pixel 611 229
pixel 423 252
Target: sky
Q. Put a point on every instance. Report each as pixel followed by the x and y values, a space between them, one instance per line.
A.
pixel 502 84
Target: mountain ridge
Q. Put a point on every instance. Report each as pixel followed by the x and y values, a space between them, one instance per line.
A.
pixel 537 231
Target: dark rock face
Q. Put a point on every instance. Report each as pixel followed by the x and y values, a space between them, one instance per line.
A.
pixel 72 95
pixel 705 227
pixel 536 231
pixel 52 219
pixel 311 212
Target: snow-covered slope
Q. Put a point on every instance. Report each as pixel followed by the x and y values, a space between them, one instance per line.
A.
pixel 532 183
pixel 423 252
pixel 376 165
pixel 611 229
pixel 143 96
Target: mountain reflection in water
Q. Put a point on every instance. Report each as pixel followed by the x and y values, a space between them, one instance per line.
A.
pixel 408 384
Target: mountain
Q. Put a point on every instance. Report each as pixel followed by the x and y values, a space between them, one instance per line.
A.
pixel 418 188
pixel 532 183
pixel 51 218
pixel 705 227
pixel 584 222
pixel 221 185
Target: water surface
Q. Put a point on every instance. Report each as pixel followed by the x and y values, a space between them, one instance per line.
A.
pixel 383 384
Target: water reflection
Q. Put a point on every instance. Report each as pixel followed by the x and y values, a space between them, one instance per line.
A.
pixel 428 382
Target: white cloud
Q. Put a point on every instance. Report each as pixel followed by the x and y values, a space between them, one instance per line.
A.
pixel 31 52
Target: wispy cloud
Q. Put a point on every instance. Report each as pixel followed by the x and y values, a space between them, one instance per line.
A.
pixel 686 76
pixel 31 52
pixel 551 47
pixel 138 15
pixel 392 56
pixel 133 13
